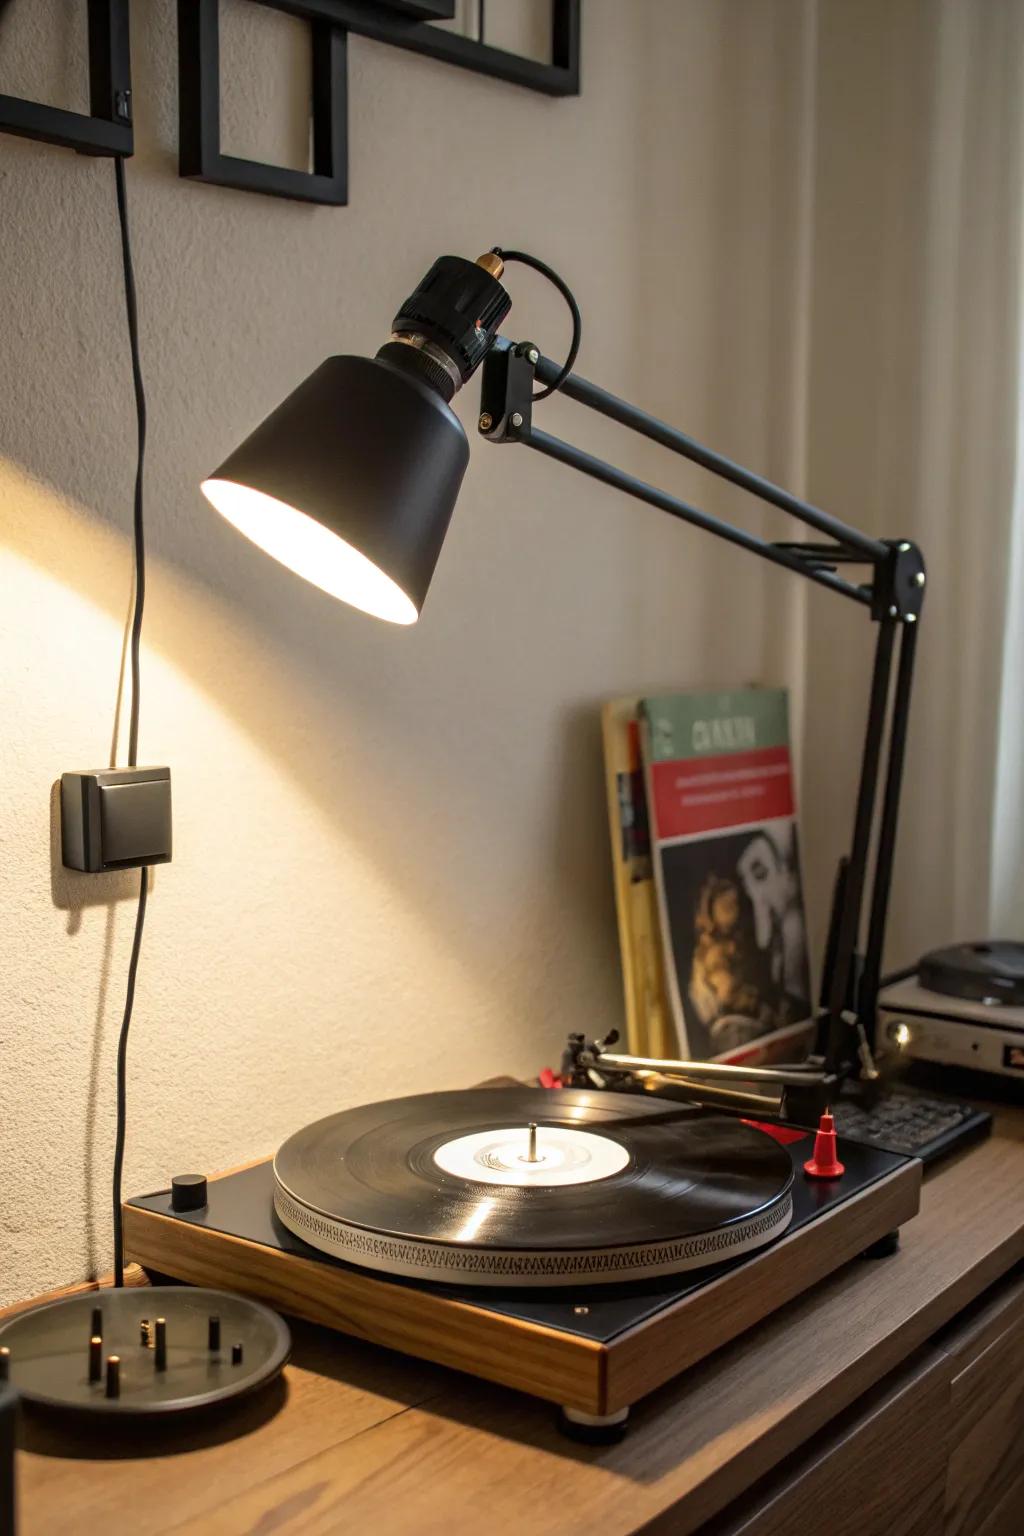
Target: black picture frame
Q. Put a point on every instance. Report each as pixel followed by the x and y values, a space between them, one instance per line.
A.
pixel 380 20
pixel 199 152
pixel 106 129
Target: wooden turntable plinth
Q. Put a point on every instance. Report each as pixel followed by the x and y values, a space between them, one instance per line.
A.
pixel 594 1351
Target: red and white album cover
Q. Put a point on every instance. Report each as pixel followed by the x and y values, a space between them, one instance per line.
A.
pixel 725 844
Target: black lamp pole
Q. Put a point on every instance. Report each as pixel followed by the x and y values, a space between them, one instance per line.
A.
pixel 893 594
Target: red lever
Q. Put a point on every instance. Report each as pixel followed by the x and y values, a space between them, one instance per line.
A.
pixel 825 1164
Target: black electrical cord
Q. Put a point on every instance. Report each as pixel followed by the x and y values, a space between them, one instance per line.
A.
pixel 132 311
pixel 577 321
pixel 122 1079
pixel 131 308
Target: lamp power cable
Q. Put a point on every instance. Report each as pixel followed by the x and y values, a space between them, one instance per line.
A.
pixel 525 259
pixel 139 560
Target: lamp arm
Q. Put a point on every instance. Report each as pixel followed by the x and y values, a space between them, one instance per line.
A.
pixel 632 416
pixel 509 370
pixel 894 596
pixel 867 994
pixel 577 458
pixel 844 980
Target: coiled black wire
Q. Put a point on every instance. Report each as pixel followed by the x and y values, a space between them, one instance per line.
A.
pixel 552 276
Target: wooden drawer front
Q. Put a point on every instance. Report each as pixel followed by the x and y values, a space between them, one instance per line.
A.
pixel 1007 1518
pixel 986 1453
pixel 879 1470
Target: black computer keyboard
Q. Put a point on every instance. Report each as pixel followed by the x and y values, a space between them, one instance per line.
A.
pixel 912 1123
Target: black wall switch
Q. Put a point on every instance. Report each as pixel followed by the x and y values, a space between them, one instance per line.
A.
pixel 115 818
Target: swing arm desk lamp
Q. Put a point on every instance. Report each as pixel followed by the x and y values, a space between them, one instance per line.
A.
pixel 351 483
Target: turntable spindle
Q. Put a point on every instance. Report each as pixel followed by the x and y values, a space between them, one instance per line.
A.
pixel 531 1153
pixel 95 1358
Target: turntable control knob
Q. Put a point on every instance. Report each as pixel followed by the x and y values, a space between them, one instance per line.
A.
pixel 188 1192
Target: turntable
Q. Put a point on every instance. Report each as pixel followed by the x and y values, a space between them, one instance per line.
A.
pixel 584 1246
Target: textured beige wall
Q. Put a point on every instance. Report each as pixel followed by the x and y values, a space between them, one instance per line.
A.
pixel 391 865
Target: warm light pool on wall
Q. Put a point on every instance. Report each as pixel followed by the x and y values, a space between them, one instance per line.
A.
pixel 352 480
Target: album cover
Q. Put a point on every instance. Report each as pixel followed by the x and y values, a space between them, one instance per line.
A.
pixel 725 847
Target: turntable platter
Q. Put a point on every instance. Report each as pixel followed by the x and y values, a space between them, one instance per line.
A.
pixel 521 1186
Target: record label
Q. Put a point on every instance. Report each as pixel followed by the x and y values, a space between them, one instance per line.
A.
pixel 554 1155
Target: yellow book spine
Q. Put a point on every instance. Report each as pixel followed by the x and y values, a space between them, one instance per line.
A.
pixel 649 1026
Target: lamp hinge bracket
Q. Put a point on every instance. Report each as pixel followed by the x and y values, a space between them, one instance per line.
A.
pixel 899 582
pixel 506 391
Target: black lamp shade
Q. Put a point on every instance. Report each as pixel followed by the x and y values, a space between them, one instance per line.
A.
pixel 351 483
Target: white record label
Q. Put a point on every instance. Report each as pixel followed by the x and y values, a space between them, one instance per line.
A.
pixel 561 1155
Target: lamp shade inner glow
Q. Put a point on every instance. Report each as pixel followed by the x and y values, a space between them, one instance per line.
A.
pixel 311 550
pixel 351 483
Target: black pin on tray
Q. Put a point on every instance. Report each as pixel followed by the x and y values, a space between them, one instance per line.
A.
pixel 114 1355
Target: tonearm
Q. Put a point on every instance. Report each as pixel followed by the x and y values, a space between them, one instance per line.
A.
pixel 796 1093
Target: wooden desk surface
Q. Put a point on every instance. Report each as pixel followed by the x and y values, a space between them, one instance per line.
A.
pixel 355 1438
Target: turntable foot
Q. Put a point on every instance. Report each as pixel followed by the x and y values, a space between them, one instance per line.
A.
pixel 593 1428
pixel 885 1247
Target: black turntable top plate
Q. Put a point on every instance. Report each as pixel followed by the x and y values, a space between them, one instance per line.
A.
pixel 242 1205
pixel 450 1186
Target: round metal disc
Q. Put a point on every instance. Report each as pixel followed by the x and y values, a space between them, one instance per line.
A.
pixel 49 1350
pixel 374 1185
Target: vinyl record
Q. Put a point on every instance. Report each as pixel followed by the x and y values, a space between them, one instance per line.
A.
pixel 609 1187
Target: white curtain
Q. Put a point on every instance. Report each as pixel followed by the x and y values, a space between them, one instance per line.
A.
pixel 914 429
